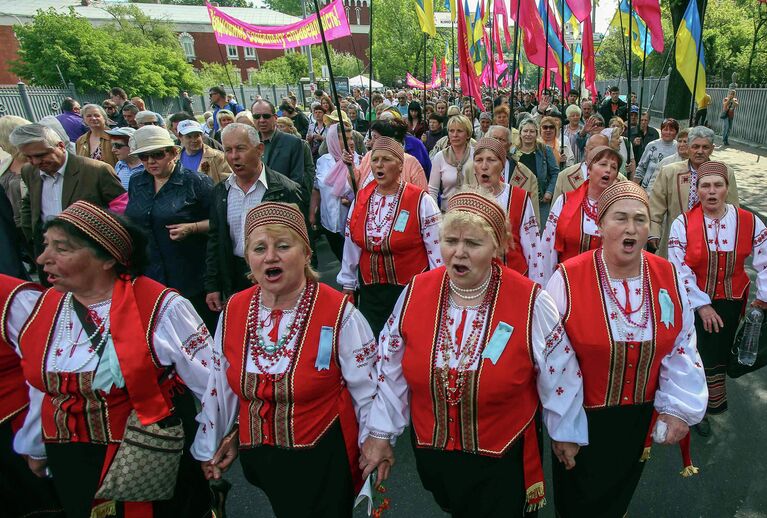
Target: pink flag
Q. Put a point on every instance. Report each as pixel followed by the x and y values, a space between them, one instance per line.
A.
pixel 434 70
pixel 533 35
pixel 649 11
pixel 587 57
pixel 500 10
pixel 580 8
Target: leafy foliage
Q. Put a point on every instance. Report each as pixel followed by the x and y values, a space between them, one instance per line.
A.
pixel 137 53
pixel 221 3
pixel 295 65
pixel 290 6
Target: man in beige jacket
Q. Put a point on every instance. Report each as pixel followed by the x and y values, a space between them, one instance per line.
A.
pixel 676 188
pixel 198 156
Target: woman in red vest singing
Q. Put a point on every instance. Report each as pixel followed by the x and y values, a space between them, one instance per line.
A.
pixel 391 235
pixel 471 351
pixel 524 253
pixel 107 353
pixel 299 359
pixel 709 246
pixel 572 225
pixel 632 329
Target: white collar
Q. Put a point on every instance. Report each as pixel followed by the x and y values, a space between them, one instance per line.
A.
pixel 231 181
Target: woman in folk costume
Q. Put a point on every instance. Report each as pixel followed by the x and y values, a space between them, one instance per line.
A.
pixel 472 380
pixel 524 252
pixel 299 359
pixel 22 493
pixel 709 246
pixel 391 235
pixel 572 225
pixel 107 353
pixel 632 329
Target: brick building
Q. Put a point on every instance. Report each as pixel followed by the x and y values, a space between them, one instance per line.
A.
pixel 192 25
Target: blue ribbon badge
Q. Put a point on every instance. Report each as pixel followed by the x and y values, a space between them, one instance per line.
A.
pixel 401 223
pixel 666 308
pixel 498 342
pixel 325 348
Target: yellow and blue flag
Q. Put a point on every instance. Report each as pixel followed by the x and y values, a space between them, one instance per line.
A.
pixel 688 37
pixel 425 11
pixel 641 42
pixel 450 6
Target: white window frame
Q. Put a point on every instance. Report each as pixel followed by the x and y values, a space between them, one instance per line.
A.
pixel 250 53
pixel 232 52
pixel 187 45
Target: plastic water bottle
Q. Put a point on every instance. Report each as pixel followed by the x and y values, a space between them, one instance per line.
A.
pixel 749 344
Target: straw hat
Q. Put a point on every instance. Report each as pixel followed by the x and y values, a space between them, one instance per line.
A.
pixel 151 138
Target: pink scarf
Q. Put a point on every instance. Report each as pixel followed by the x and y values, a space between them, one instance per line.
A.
pixel 337 178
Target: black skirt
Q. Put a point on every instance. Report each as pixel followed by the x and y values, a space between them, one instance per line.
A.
pixel 76 469
pixel 303 483
pixel 607 471
pixel 376 302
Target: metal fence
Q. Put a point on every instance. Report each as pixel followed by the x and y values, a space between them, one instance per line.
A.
pixel 654 92
pixel 34 103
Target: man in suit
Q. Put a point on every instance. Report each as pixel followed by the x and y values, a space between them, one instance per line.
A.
pixel 675 190
pixel 55 178
pixel 252 183
pixel 282 152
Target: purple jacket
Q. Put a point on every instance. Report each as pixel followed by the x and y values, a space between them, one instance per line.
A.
pixel 73 125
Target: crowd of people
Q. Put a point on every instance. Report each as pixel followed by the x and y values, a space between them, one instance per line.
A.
pixel 544 261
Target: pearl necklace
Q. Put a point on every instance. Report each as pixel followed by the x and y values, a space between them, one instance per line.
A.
pixel 471 293
pixel 66 323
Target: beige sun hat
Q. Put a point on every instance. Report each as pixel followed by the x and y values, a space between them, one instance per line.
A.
pixel 151 138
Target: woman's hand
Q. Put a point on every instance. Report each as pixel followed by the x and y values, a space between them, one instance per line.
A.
pixel 376 453
pixel 223 458
pixel 347 157
pixel 547 197
pixel 38 466
pixel 676 430
pixel 180 231
pixel 565 452
pixel 712 322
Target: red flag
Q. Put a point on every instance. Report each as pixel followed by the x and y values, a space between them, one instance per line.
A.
pixel 443 69
pixel 649 11
pixel 433 69
pixel 581 9
pixel 587 58
pixel 469 80
pixel 533 34
pixel 500 10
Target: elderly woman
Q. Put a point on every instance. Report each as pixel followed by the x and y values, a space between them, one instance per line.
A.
pixel 109 353
pixel 224 118
pixel 285 125
pixel 709 246
pixel 632 329
pixel 315 135
pixel 293 347
pixel 524 246
pixel 654 152
pixel 573 127
pixel 391 235
pixel 550 135
pixel 618 142
pixel 449 165
pixel 171 204
pixel 540 159
pixel 474 437
pixel 412 170
pixel 10 166
pixel 572 225
pixel 95 143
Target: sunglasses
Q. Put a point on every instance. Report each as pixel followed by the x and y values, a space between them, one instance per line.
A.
pixel 266 116
pixel 547 127
pixel 156 155
pixel 119 145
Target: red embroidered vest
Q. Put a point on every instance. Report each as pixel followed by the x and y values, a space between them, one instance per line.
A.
pixel 400 255
pixel 515 208
pixel 616 373
pixel 498 401
pixel 72 410
pixel 571 239
pixel 297 410
pixel 721 275
pixel 14 396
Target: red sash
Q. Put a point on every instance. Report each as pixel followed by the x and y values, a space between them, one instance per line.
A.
pixel 721 275
pixel 571 239
pixel 401 254
pixel 515 208
pixel 616 373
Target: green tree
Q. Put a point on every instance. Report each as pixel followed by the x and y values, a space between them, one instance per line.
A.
pixel 221 3
pixel 292 7
pixel 96 59
pixel 211 74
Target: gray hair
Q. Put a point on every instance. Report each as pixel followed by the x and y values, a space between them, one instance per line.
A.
pixel 573 109
pixel 96 107
pixel 7 124
pixel 495 127
pixel 249 130
pixel 34 133
pixel 700 132
pixel 50 121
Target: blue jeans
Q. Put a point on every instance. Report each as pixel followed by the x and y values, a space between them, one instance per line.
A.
pixel 726 129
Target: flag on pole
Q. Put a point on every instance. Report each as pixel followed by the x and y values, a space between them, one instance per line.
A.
pixel 649 11
pixel 450 6
pixel 587 56
pixel 581 9
pixel 688 37
pixel 641 44
pixel 500 10
pixel 533 35
pixel 555 39
pixel 425 11
pixel 469 80
pixel 434 69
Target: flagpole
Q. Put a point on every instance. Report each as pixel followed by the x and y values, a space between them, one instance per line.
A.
pixel 628 93
pixel 492 51
pixel 697 67
pixel 452 45
pixel 562 76
pixel 424 70
pixel 370 62
pixel 644 63
pixel 513 99
pixel 333 88
pixel 547 75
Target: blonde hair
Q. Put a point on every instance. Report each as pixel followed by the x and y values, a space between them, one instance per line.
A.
pixel 287 121
pixel 463 219
pixel 282 230
pixel 463 121
pixel 244 114
pixel 8 123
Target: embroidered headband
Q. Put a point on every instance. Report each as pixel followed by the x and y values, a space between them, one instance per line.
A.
pixel 621 191
pixel 276 213
pixel 102 227
pixel 715 169
pixel 491 144
pixel 483 207
pixel 390 145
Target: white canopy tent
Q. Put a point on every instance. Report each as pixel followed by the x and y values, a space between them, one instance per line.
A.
pixel 362 82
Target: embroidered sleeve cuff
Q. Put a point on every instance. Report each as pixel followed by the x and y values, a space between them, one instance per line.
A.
pixel 35 457
pixel 375 434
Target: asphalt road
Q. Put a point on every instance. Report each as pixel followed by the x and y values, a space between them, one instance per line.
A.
pixel 732 480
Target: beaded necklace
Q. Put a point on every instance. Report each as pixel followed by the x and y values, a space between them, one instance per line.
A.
pixel 66 323
pixel 374 225
pixel 644 279
pixel 266 356
pixel 453 380
pixel 590 209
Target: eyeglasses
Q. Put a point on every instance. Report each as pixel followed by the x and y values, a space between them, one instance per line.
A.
pixel 149 124
pixel 265 116
pixel 156 155
pixel 119 145
pixel 548 127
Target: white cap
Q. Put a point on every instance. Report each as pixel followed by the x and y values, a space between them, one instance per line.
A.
pixel 188 126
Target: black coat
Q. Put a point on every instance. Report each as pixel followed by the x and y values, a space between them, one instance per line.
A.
pixel 10 247
pixel 220 258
